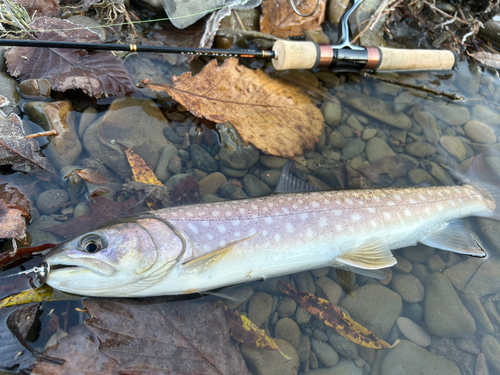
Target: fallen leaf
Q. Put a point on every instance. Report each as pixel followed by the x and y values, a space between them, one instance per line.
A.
pixel 275 117
pixel 153 336
pixel 14 213
pixel 334 318
pixel 81 354
pixel 11 259
pixel 140 170
pixel 91 176
pixel 386 170
pixel 98 74
pixel 487 58
pixel 47 8
pixel 102 210
pixel 23 154
pixel 12 353
pixel 187 191
pixel 44 293
pixel 279 19
pixel 243 330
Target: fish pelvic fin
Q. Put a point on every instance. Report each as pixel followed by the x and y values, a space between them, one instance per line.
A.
pixel 372 255
pixel 484 178
pixel 201 264
pixel 454 236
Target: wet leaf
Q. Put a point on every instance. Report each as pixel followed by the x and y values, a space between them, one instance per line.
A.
pixel 23 154
pixel 44 293
pixel 279 19
pixel 385 171
pixel 48 8
pixel 14 213
pixel 102 210
pixel 487 58
pixel 81 354
pixel 187 191
pixel 140 170
pixel 11 259
pixel 154 336
pixel 334 318
pixel 12 353
pixel 243 330
pixel 90 176
pixel 275 117
pixel 98 74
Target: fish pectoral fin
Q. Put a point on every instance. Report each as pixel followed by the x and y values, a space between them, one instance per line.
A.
pixel 373 255
pixel 455 237
pixel 210 259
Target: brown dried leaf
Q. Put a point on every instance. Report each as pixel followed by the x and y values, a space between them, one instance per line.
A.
pixel 11 259
pixel 275 117
pixel 154 336
pixel 91 176
pixel 98 74
pixel 14 213
pixel 47 8
pixel 279 19
pixel 487 58
pixel 23 154
pixel 140 170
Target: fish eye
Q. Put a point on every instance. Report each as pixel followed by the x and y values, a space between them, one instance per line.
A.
pixel 92 243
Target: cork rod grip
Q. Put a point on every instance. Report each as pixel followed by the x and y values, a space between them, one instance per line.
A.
pixel 415 59
pixel 295 55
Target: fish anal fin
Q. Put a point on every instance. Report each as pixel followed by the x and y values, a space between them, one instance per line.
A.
pixel 214 257
pixel 372 255
pixel 455 237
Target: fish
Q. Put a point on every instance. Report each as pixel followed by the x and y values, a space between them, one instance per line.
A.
pixel 201 247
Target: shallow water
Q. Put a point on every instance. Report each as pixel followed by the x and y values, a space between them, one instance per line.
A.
pixel 452 298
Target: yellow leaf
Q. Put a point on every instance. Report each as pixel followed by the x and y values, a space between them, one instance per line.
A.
pixel 142 173
pixel 44 293
pixel 334 318
pixel 243 330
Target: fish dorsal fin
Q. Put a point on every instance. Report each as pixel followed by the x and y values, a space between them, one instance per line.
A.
pixel 202 263
pixel 454 236
pixel 290 183
pixel 372 255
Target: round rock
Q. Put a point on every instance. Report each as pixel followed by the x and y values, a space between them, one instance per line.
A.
pixel 50 201
pixel 478 131
pixel 254 187
pixel 271 362
pixel 353 148
pixel 454 146
pixel 212 183
pixel 286 307
pixel 286 329
pixel 259 308
pixel 420 149
pixel 325 353
pixel 413 332
pixel 332 112
pixel 202 159
pixel 377 149
pixel 408 287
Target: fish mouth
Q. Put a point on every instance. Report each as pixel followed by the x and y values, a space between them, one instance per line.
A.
pixel 92 265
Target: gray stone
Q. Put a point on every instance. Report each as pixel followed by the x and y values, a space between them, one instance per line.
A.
pixel 354 148
pixel 420 149
pixel 175 165
pixel 328 289
pixel 234 153
pixel 413 311
pixel 403 265
pixel 368 134
pixel 51 201
pixel 171 135
pixel 435 263
pixel 167 153
pixel 259 308
pixel 35 89
pixel 375 307
pixel 286 307
pixel 478 131
pixel 485 114
pixel 445 315
pixel 332 112
pixel 468 345
pixel 418 253
pixel 81 209
pixel 324 352
pixel 491 230
pixel 286 329
pixel 272 162
pixel 320 272
pixel 304 282
pixel 212 183
pixel 343 367
pixel 337 140
pixel 440 174
pixel 476 309
pixel 418 176
pixel 481 365
pixel 486 280
pixel 491 349
pixel 407 99
pixel 377 149
pixel 445 347
pixel 409 358
pixel 449 113
pixel 413 332
pixel 428 125
pixel 175 179
pixel 408 287
pixel 468 78
pixel 230 172
pixel 453 146
pixel 270 177
pixel 238 296
pixel 304 348
pixel 461 273
pixel 271 362
pixel 202 159
pixel 37 231
pixel 302 316
pixel 231 191
pixel 254 187
pixel 88 116
pixel 342 345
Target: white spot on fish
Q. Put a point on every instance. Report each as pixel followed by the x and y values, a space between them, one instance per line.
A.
pixel 289 199
pixel 323 222
pixel 349 201
pixel 221 228
pixel 215 213
pixel 237 234
pixel 255 207
pixel 338 202
pixel 398 197
pixel 387 215
pixel 190 214
pixel 205 223
pixel 372 210
pixel 440 207
pixel 222 243
pixel 338 227
pixel 430 192
pixel 235 223
pixel 285 210
pixel 206 247
pixel 229 213
pixel 309 232
pixel 277 237
pixel 289 228
pixel 376 199
pixel 351 229
pixel 210 237
pixel 412 201
pixel 295 206
pixel 174 214
pixel 270 204
pixel 252 232
pixel 300 201
pixel 421 196
pixel 327 202
pixel 268 220
pixel 242 210
pixel 427 210
pixel 304 217
pixel 373 223
pixel 315 204
pixel 356 217
pixel 338 212
pixel 193 228
pixel 391 203
pixel 440 193
pixel 267 245
pixel 265 233
pixel 407 212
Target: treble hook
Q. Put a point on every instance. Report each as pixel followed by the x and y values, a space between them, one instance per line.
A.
pixel 301 14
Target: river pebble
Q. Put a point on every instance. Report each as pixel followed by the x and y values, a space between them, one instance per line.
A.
pixel 328 289
pixel 408 287
pixel 461 273
pixel 212 183
pixel 478 131
pixel 491 349
pixel 254 187
pixel 485 114
pixel 445 347
pixel 420 149
pixel 481 365
pixel 486 280
pixel 377 149
pixel 337 140
pixel 454 146
pixel 35 89
pixel 320 335
pixel 468 345
pixel 413 332
pixel 435 263
pixel 272 162
pixel 259 308
pixel 51 201
pixel 403 265
pixel 324 352
pixel 476 309
pixel 418 176
pixel 171 135
pixel 354 148
pixel 332 112
pixel 304 282
pixel 302 316
pixel 445 315
pixel 271 362
pixel 286 307
pixel 342 345
pixel 304 348
pixel 286 329
pixel 429 126
pixel 270 177
pixel 202 159
pixel 449 113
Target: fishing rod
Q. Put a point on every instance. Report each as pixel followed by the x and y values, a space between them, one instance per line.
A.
pixel 287 54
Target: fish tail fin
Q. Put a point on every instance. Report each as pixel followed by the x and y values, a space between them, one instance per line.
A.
pixel 484 178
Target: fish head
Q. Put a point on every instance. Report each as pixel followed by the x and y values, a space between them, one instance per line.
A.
pixel 123 256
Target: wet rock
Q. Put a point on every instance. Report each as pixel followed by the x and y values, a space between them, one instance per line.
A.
pixel 377 149
pixel 335 10
pixel 435 263
pixel 320 335
pixel 81 209
pixel 407 99
pixel 409 358
pixel 8 88
pixel 167 153
pixel 354 148
pixel 343 367
pixel 231 191
pixel 446 348
pixel 175 165
pixel 175 179
pixel 485 114
pixel 324 352
pixel 403 265
pixel 332 112
pixel 230 172
pixel 35 89
pixel 286 307
pixel 304 348
pixel 418 176
pixel 65 147
pixel 259 308
pixel 51 201
pixel 328 289
pixel 481 365
pixel 374 307
pixel 420 149
pixel 271 362
pixel 254 187
pixel 212 183
pixel 286 329
pixel 478 131
pixel 171 135
pixel 238 295
pixel 453 146
pixel 414 312
pixel 353 122
pixel 408 287
pixel 270 177
pixel 337 140
pixel 302 316
pixel 37 230
pixel 468 345
pixel 440 174
pixel 413 332
pixel 461 273
pixel 476 309
pixel 202 159
pixel 272 162
pixel 377 109
pixel 491 230
pixel 234 153
pixel 486 280
pixel 313 361
pixel 119 124
pixel 342 345
pixel 368 134
pixel 491 349
pixel 449 113
pixel 445 315
pixel 418 253
pixel 428 125
pixel 468 78
pixel 89 115
pixel 304 282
